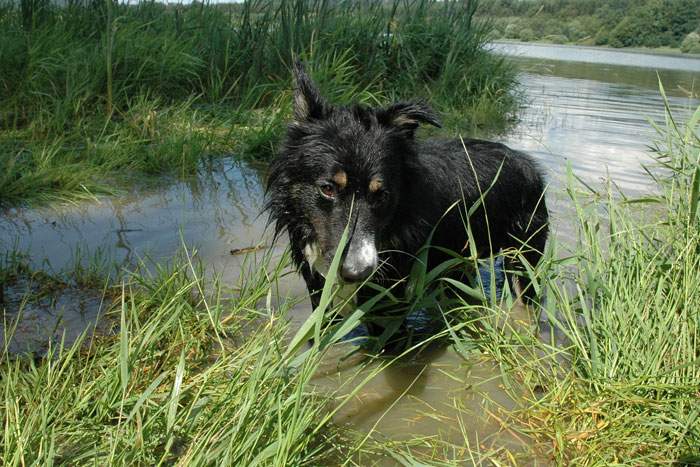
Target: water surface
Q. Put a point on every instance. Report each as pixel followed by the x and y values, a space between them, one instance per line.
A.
pixel 598 55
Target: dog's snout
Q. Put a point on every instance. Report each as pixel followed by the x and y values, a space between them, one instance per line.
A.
pixel 355 273
pixel 360 261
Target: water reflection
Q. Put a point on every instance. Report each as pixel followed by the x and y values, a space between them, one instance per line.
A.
pixel 215 212
pixel 601 129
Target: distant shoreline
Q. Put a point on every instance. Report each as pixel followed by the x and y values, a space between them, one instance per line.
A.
pixel 666 51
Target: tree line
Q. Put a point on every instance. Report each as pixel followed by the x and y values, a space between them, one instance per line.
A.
pixel 615 23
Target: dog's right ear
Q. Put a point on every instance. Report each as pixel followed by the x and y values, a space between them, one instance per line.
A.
pixel 407 116
pixel 308 103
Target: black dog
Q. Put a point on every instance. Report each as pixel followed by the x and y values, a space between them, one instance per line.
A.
pixel 341 159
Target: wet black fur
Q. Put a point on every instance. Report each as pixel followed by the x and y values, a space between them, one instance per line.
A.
pixel 421 180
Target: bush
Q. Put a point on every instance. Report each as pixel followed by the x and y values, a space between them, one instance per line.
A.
pixel 579 28
pixel 620 23
pixel 656 23
pixel 526 35
pixel 602 37
pixel 691 43
pixel 512 31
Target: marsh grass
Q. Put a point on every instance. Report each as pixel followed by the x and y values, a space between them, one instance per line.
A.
pixel 95 88
pixel 620 383
pixel 187 376
pixel 195 373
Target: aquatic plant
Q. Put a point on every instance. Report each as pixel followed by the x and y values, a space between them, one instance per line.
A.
pixel 195 372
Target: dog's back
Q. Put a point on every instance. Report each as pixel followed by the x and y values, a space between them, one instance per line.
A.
pixel 503 188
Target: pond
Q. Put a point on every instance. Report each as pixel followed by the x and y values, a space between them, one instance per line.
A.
pixel 583 110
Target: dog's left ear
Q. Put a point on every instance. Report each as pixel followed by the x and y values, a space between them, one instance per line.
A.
pixel 308 103
pixel 407 116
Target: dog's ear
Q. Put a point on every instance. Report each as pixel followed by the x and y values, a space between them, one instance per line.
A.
pixel 407 116
pixel 308 103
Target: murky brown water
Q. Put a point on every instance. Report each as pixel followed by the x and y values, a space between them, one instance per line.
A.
pixel 592 116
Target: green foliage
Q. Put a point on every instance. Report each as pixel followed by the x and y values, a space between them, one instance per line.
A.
pixel 188 377
pixel 75 77
pixel 691 43
pixel 656 23
pixel 195 374
pixel 621 23
pixel 621 382
pixel 526 35
pixel 512 31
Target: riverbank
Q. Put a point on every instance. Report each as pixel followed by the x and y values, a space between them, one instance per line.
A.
pixel 599 55
pixel 92 95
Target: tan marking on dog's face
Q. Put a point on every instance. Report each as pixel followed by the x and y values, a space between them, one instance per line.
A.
pixel 340 179
pixel 375 185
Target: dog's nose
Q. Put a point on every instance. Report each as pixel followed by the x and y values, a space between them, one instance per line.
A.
pixel 355 272
pixel 360 260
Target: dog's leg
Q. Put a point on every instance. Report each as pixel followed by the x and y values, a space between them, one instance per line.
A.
pixel 527 291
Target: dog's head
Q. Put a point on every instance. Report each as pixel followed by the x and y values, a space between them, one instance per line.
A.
pixel 338 167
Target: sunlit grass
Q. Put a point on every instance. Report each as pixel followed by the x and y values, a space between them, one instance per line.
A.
pixel 188 377
pixel 197 373
pixel 620 383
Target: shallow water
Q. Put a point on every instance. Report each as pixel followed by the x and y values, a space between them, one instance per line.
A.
pixel 47 318
pixel 592 116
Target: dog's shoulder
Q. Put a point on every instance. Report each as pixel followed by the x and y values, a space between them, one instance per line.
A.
pixel 436 147
pixel 479 151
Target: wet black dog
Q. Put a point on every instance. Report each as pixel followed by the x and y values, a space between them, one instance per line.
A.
pixel 362 167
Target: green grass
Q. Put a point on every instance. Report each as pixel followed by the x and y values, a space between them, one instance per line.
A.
pixel 102 90
pixel 187 377
pixel 624 386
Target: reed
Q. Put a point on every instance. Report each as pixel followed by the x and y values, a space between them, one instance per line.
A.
pixel 197 373
pixel 617 379
pixel 74 75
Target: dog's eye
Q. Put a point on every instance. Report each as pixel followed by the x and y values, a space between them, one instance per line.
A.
pixel 381 196
pixel 327 189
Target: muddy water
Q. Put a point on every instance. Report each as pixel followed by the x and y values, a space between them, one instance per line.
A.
pixel 592 116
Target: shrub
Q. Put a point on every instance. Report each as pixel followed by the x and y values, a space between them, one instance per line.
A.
pixel 656 23
pixel 691 43
pixel 574 29
pixel 512 31
pixel 526 35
